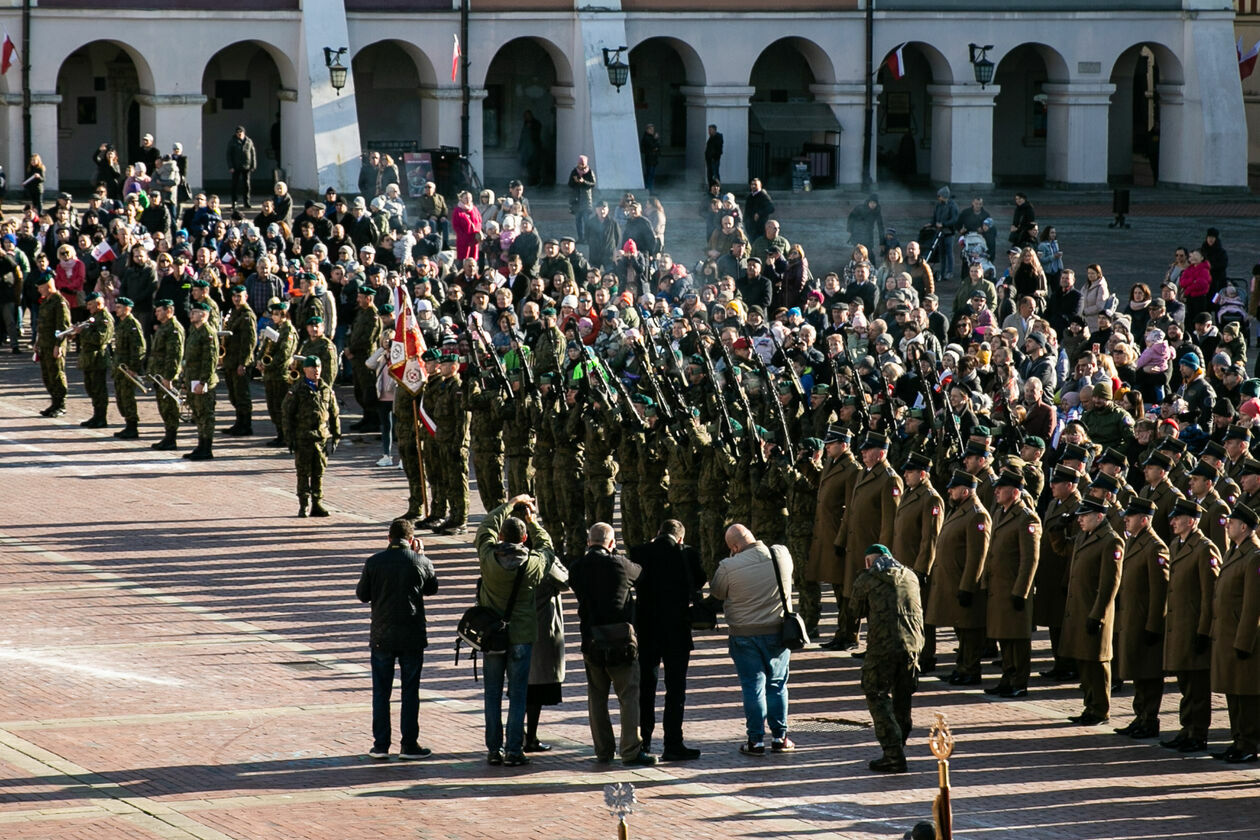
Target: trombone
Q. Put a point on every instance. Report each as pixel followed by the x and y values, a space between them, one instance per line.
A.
pixel 178 397
pixel 135 380
pixel 74 329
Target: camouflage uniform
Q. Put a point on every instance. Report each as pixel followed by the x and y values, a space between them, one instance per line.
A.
pixel 201 354
pixel 684 466
pixel 328 354
pixel 486 434
pixel 95 362
pixel 798 483
pixel 275 376
pixel 406 427
pixel 541 420
pixel 518 417
pixel 628 457
pixel 54 316
pixel 165 362
pixel 769 503
pixel 444 401
pixel 129 349
pixel 365 333
pixel 711 496
pixel 654 481
pixel 887 594
pixel 600 490
pixel 239 353
pixel 566 473
pixel 310 419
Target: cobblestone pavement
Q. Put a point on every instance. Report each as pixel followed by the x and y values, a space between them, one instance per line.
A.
pixel 182 658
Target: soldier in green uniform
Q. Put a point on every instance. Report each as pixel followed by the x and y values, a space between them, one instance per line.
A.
pixel 1033 450
pixel 711 492
pixel 600 468
pixel 549 348
pixel 409 431
pixel 201 355
pixel 318 344
pixel 1009 571
pixel 129 347
pixel 312 427
pixel 94 359
pixel 200 293
pixel 1160 491
pixel 520 414
pixel 365 334
pixel 238 358
pixel 566 470
pixel 978 460
pixel 1182 462
pixel 683 466
pixel 50 349
pixel 887 595
pixel 1235 620
pixel 538 431
pixel 1202 486
pixel 633 428
pixel 1108 424
pixel 797 482
pixel 1088 615
pixel 916 528
pixel 769 499
pixel 1140 606
pixel 444 400
pixel 653 474
pixel 1236 445
pixel 166 360
pixel 483 393
pixel 821 414
pixel 275 373
pixel 955 599
pixel 1249 484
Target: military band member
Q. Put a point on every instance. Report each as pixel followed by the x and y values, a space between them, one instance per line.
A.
pixel 50 349
pixel 364 336
pixel 275 372
pixel 166 360
pixel 129 347
pixel 956 600
pixel 1009 570
pixel 1235 624
pixel 1089 613
pixel 312 427
pixel 200 293
pixel 483 394
pixel 201 357
pixel 916 528
pixel 94 359
pixel 238 358
pixel 319 344
pixel 1140 618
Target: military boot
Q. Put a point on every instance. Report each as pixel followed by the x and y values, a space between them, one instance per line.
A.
pixel 166 444
pixel 130 432
pixel 316 508
pixel 204 450
pixel 233 430
pixel 302 507
pixel 195 453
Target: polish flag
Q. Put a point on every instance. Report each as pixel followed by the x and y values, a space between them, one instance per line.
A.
pixel 7 54
pixel 1246 60
pixel 896 61
pixel 455 56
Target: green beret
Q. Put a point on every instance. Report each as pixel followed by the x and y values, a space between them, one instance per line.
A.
pixel 918 414
pixel 764 433
pixel 549 310
pixel 163 302
pixel 1035 442
pixel 813 444
pixel 278 306
pixel 386 309
pixel 311 361
pixel 851 400
pixel 698 361
pixel 201 306
pixel 314 319
pixel 643 399
pixel 126 301
pixel 877 549
pixel 92 296
pixel 449 358
pixel 201 284
pixel 430 355
pixel 784 386
pixel 238 289
pixel 737 428
pixel 549 377
pixel 367 291
pixel 822 390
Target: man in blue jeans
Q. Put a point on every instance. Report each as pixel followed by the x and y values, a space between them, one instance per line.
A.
pixel 510 543
pixel 395 582
pixel 745 583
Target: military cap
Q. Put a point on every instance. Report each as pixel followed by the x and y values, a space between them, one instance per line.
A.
pixel 277 306
pixel 764 433
pixel 567 238
pixel 1238 433
pixel 1036 442
pixel 737 428
pixel 1250 467
pixel 876 408
pixel 386 309
pixel 1112 456
pixel 92 296
pixel 1139 506
pixel 1074 452
pixel 238 289
pixel 1185 507
pixel 977 449
pixel 877 549
pixel 981 431
pixel 164 302
pixel 1010 478
pixel 1172 444
pixel 311 361
pixel 1206 470
pixel 851 399
pixel 431 355
pixel 1062 473
pixel 837 434
pixel 449 358
pixel 813 444
pixel 1249 389
pixel 1090 506
pixel 549 310
pixel 822 389
pixel 549 377
pixel 1224 407
pixel 367 291
pixel 962 478
pixel 1245 514
pixel 784 386
pixel 1105 482
pixel 125 301
pixel 1103 389
pixel 200 306
pixel 314 319
pixel 1214 449
pixel 916 461
pixel 1158 459
pixel 874 440
pixel 918 414
pixel 200 284
pixel 642 399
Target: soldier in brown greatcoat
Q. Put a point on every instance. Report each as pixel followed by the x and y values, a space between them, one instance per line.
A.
pixel 1093 580
pixel 1160 491
pixel 840 472
pixel 1140 618
pixel 956 600
pixel 1193 564
pixel 1202 482
pixel 1014 548
pixel 1235 627
pixel 1058 536
pixel 915 530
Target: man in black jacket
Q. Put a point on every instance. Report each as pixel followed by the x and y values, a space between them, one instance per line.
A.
pixel 602 580
pixel 668 585
pixel 395 582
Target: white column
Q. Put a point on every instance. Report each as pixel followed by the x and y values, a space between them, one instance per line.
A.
pixel 569 133
pixel 725 106
pixel 476 130
pixel 848 103
pixel 962 135
pixel 1173 166
pixel 440 111
pixel 12 159
pixel 44 139
pixel 322 140
pixel 1076 134
pixel 608 132
pixel 176 117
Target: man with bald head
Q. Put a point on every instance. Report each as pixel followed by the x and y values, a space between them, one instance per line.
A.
pixel 748 582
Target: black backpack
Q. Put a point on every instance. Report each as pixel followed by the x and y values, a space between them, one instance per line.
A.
pixel 482 628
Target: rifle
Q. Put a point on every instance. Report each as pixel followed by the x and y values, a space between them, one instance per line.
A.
pixel 725 430
pixel 664 409
pixel 952 441
pixel 500 375
pixel 771 395
pixel 886 423
pixel 797 388
pixel 625 411
pixel 844 358
pixel 595 374
pixel 740 394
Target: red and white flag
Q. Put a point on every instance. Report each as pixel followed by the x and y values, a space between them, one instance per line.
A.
pixel 1246 60
pixel 896 61
pixel 404 354
pixel 7 54
pixel 455 56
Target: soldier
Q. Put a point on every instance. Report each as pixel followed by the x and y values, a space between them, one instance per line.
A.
pixel 798 483
pixel 365 334
pixel 165 362
pixel 312 427
pixel 444 401
pixel 1160 491
pixel 683 465
pixel 1033 450
pixel 822 412
pixel 549 348
pixel 409 430
pixel 1227 488
pixel 1058 536
pixel 1009 571
pixel 628 455
pixel 1182 462
pixel 1108 424
pixel 711 485
pixel 537 429
pixel 1193 565
pixel 654 476
pixel 876 496
pixel 1104 490
pixel 1249 483
pixel 978 460
pixel 1235 620
pixel 1237 443
pixel 318 344
pixel 200 293
pixel 1140 618
pixel 955 599
pixel 887 594
pixel 840 473
pixel 1202 486
pixel 129 347
pixel 201 355
pixel 600 469
pixel 483 396
pixel 1114 463
pixel 238 358
pixel 94 358
pixel 1093 580
pixel 275 374
pixel 916 528
pixel 566 471
pixel 50 348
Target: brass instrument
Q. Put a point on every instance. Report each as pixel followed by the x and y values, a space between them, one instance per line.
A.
pixel 74 329
pixel 270 337
pixel 295 369
pixel 135 380
pixel 180 397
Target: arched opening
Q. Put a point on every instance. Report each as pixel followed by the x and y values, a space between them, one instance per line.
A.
pixel 1020 117
pixel 98 84
pixel 1133 122
pixel 903 134
pixel 387 88
pixel 519 115
pixel 658 72
pixel 242 86
pixel 790 136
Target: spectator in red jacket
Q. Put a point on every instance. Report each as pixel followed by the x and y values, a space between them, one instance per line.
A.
pixel 1195 283
pixel 466 221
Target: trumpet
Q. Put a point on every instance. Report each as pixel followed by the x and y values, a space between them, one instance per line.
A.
pixel 135 380
pixel 295 370
pixel 75 329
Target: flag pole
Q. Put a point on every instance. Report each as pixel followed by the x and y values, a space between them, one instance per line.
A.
pixel 26 81
pixel 424 493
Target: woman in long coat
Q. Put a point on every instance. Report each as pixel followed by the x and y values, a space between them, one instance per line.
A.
pixel 546 664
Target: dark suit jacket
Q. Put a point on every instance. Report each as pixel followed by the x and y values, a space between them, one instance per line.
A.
pixel 671 581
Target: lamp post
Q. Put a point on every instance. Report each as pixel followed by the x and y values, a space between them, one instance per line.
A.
pixel 980 64
pixel 618 70
pixel 336 70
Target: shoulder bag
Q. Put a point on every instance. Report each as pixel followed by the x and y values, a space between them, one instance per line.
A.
pixel 793 636
pixel 483 629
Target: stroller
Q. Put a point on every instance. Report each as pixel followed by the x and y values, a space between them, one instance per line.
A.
pixel 930 240
pixel 976 250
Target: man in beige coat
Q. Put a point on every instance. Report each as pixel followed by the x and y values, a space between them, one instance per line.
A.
pixel 1009 569
pixel 1093 580
pixel 1235 627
